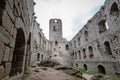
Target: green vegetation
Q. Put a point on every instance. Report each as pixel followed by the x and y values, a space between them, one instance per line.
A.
pixel 112 77
pixel 109 77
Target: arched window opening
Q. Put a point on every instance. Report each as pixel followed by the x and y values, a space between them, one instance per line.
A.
pixel 107 48
pixel 84 53
pixel 86 35
pixel 91 55
pixel 103 26
pixel 54 28
pixel 76 65
pixel 38 57
pixel 75 44
pixel 56 42
pixel 41 57
pixel 101 69
pixel 75 55
pixel 67 47
pixel 55 21
pixel 114 9
pixel 79 54
pixel 79 41
pixel 85 67
pixel 18 55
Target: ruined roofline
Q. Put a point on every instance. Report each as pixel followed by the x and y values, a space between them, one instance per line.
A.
pixel 90 21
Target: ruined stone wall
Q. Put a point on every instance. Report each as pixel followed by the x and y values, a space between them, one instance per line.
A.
pixel 96 46
pixel 40 46
pixel 15 23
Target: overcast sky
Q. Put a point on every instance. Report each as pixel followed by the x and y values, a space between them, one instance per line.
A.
pixel 73 13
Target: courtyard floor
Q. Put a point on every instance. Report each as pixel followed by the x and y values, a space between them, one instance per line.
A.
pixel 40 73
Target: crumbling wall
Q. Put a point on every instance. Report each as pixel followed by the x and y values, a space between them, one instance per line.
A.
pixel 14 29
pixel 97 43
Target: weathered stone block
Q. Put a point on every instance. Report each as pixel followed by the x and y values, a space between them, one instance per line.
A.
pixel 17 3
pixel 6 54
pixel 1 51
pixel 10 11
pixel 19 23
pixel 12 42
pixel 10 3
pixel 6 22
pixel 13 32
pixel 1 72
pixel 11 55
pixel 3 38
pixel 7 68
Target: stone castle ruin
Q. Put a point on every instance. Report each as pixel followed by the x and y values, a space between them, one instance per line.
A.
pixel 96 47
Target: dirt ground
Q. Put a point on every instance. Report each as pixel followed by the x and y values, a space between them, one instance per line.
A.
pixel 49 74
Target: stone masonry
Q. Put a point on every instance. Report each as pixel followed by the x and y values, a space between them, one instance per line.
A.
pixel 96 47
pixel 15 23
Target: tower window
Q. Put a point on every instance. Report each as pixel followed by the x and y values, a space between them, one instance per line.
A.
pixel 103 26
pixel 56 42
pixel 107 48
pixel 90 52
pixel 114 9
pixel 54 29
pixel 55 21
pixel 67 47
pixel 84 53
pixel 86 35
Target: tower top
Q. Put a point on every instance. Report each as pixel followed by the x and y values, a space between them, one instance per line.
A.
pixel 55 29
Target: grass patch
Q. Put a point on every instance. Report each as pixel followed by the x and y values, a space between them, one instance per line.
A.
pixel 112 77
pixel 109 77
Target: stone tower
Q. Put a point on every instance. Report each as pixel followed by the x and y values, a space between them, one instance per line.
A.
pixel 55 29
pixel 59 53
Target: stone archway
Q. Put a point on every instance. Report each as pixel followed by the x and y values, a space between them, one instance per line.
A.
pixel 42 57
pixel 18 55
pixel 107 48
pixel 85 67
pixel 101 69
pixel 38 57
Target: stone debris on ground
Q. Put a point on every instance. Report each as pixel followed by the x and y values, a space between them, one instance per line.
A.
pixel 49 74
